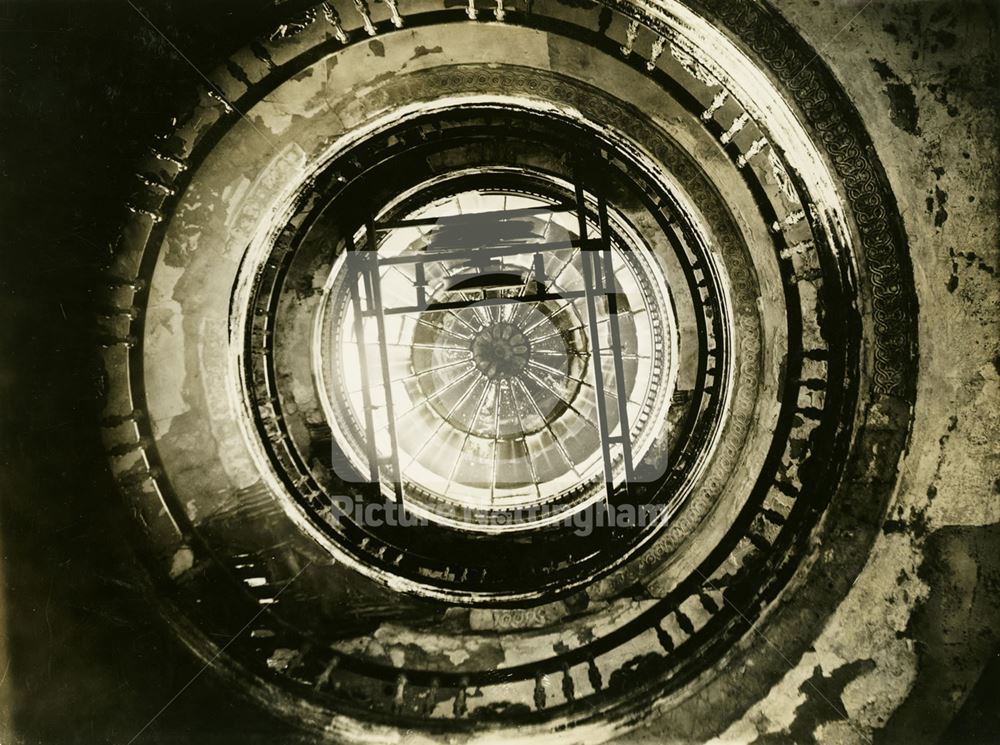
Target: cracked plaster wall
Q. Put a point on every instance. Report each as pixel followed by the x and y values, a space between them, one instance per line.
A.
pixel 907 645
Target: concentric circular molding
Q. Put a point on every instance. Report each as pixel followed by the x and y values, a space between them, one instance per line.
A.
pixel 730 164
pixel 509 376
pixel 584 556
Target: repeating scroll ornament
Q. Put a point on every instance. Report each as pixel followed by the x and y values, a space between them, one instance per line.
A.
pixel 883 240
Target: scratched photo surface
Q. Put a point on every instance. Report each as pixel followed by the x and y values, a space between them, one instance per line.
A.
pixel 499 371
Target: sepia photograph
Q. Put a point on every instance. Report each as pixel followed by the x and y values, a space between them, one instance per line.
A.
pixel 499 372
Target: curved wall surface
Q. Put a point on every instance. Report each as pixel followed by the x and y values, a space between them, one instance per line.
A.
pixel 493 372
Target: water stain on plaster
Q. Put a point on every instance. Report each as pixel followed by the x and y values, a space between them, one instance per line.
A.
pixel 822 704
pixel 952 628
pixel 902 102
pixel 422 51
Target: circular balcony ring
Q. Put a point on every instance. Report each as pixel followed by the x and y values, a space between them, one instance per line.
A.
pixel 727 153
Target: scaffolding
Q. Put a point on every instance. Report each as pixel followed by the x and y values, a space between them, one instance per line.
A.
pixel 364 266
